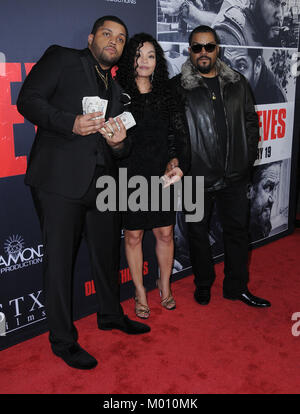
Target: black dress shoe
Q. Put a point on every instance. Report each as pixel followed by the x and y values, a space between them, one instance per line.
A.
pixel 126 325
pixel 76 357
pixel 249 299
pixel 202 295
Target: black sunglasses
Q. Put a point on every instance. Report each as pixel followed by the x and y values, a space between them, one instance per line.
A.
pixel 209 47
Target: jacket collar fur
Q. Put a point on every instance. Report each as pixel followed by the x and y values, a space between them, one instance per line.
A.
pixel 191 77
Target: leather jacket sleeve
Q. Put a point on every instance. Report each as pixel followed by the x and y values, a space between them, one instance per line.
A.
pixel 178 138
pixel 252 125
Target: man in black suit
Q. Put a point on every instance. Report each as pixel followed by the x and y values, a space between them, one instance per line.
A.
pixel 69 153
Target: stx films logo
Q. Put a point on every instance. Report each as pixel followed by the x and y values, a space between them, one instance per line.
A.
pixel 21 311
pixel 28 308
pixel 17 256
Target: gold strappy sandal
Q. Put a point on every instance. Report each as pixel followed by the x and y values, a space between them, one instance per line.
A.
pixel 168 302
pixel 141 311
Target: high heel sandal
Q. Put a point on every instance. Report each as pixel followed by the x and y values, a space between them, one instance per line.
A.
pixel 168 302
pixel 141 311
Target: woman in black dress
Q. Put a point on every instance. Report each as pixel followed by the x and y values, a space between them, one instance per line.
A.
pixel 159 147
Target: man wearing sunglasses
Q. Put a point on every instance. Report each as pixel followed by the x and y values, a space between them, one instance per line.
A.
pixel 224 134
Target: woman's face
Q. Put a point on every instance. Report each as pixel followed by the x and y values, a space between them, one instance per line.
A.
pixel 145 60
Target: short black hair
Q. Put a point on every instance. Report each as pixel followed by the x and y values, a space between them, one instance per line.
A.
pixel 100 22
pixel 160 100
pixel 204 29
pixel 254 53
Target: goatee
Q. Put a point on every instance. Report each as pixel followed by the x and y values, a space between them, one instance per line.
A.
pixel 102 60
pixel 204 68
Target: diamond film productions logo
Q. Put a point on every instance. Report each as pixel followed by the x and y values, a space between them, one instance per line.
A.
pixel 17 256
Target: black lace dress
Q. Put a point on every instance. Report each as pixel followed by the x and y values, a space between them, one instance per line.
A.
pixel 150 153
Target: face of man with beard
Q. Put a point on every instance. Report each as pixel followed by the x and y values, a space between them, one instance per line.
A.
pixel 271 12
pixel 107 43
pixel 204 61
pixel 263 196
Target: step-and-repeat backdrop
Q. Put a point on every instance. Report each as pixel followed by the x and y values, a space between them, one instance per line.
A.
pixel 269 60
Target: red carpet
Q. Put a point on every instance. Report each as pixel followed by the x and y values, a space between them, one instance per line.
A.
pixel 223 348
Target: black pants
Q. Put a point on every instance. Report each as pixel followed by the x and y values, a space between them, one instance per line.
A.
pixel 64 221
pixel 233 211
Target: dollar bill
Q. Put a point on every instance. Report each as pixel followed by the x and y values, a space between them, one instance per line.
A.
pixel 167 181
pixel 127 119
pixel 92 104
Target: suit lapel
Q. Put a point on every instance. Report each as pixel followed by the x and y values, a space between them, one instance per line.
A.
pixel 115 104
pixel 90 73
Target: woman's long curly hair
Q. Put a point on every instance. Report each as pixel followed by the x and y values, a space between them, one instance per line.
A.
pixel 126 75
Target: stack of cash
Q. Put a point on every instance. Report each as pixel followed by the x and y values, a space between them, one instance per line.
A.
pixel 127 119
pixel 92 104
pixel 167 181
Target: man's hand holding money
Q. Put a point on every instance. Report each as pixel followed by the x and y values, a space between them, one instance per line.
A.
pixel 87 124
pixel 93 120
pixel 114 132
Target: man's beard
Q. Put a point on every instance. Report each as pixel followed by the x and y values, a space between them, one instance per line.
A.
pixel 267 31
pixel 266 226
pixel 262 217
pixel 204 69
pixel 102 58
pixel 105 61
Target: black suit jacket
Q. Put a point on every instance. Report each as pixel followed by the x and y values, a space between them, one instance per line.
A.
pixel 51 97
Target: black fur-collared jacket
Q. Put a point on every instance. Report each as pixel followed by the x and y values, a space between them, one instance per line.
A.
pixel 242 125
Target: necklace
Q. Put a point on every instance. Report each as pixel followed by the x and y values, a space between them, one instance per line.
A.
pixel 104 78
pixel 213 96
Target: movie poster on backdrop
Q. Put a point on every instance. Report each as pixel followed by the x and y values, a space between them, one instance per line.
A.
pixel 260 40
pixel 27 30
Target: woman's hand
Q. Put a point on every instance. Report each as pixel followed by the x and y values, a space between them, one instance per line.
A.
pixel 114 132
pixel 172 164
pixel 172 176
